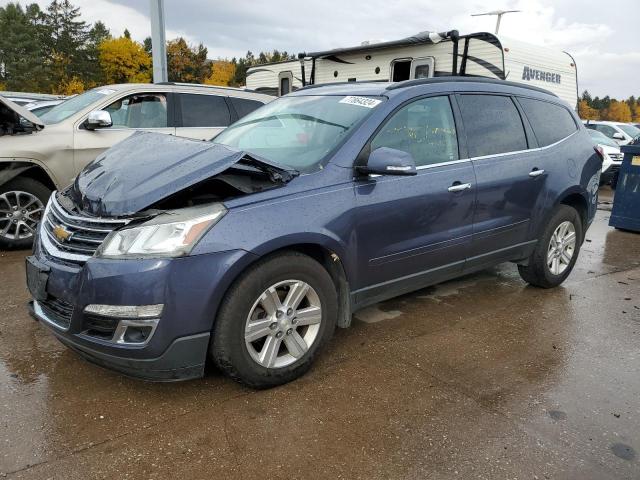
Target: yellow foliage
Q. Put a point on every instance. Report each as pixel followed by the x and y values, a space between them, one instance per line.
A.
pixel 636 113
pixel 618 112
pixel 124 61
pixel 71 86
pixel 586 112
pixel 3 87
pixel 222 72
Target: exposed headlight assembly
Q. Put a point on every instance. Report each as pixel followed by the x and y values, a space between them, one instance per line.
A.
pixel 170 234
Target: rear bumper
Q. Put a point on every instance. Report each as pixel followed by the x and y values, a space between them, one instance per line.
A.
pixel 184 358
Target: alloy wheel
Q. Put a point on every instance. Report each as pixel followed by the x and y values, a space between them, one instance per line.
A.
pixel 562 247
pixel 283 323
pixel 20 213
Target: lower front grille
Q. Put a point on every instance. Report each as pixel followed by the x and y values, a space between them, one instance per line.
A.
pixel 57 312
pixel 100 327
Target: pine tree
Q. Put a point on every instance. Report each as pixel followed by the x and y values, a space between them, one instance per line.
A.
pixel 22 65
pixel 68 43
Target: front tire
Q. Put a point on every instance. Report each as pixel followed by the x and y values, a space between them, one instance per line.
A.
pixel 22 202
pixel 557 250
pixel 274 320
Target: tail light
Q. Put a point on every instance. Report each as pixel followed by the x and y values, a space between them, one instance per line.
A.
pixel 600 151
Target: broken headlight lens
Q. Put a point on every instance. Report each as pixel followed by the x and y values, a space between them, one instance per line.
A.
pixel 170 234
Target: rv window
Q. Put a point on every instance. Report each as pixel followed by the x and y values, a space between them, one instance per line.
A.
pixel 493 125
pixel 421 71
pixel 401 70
pixel 284 86
pixel 424 128
pixel 551 123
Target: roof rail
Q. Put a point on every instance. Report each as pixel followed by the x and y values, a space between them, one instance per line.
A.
pixel 185 84
pixel 464 79
pixel 357 82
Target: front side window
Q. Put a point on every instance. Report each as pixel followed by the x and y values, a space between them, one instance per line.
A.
pixel 204 110
pixel 244 106
pixel 551 123
pixel 424 128
pixel 299 132
pixel 493 125
pixel 142 110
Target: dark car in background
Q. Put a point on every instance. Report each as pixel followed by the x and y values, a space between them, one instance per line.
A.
pixel 250 250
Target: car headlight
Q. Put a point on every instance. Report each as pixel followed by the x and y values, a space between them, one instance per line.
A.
pixel 170 234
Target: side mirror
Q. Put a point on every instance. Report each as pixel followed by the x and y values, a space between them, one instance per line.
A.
pixel 618 136
pixel 389 161
pixel 98 119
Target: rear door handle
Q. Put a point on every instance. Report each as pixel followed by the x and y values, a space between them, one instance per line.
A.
pixel 536 173
pixel 459 187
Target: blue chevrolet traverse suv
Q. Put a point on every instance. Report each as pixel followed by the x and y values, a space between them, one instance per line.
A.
pixel 250 249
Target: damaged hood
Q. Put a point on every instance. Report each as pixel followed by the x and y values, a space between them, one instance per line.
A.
pixel 146 168
pixel 21 112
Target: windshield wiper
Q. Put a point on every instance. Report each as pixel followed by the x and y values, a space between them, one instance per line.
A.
pixel 291 115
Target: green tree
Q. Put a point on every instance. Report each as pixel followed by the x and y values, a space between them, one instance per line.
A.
pixel 68 43
pixel 22 59
pixel 98 34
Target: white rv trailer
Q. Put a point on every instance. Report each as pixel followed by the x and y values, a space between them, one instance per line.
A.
pixel 425 55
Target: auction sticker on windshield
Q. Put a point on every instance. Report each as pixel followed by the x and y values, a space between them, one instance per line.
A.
pixel 361 101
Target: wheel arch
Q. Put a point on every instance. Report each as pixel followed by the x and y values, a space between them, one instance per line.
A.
pixel 33 170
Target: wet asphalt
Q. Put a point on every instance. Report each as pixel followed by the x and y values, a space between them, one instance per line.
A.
pixel 482 377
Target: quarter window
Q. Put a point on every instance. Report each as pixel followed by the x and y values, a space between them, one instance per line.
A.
pixel 493 125
pixel 142 110
pixel 424 128
pixel 204 110
pixel 551 123
pixel 243 106
pixel 606 129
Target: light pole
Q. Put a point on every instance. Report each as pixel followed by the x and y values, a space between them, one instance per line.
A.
pixel 158 41
pixel 498 13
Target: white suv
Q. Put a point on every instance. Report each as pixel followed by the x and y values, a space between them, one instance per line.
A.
pixel 621 133
pixel 42 154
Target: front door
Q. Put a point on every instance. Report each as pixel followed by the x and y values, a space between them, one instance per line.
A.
pixel 412 231
pixel 140 111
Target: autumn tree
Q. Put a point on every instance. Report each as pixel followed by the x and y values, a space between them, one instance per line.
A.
pixel 222 72
pixel 618 112
pixel 186 63
pixel 123 60
pixel 586 112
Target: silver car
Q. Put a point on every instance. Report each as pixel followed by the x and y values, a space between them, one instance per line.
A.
pixel 42 154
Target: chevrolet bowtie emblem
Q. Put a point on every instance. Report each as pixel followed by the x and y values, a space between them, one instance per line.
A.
pixel 61 233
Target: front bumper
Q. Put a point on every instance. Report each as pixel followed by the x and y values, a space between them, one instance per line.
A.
pixel 190 288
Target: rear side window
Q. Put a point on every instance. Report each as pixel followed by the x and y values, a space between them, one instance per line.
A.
pixel 551 123
pixel 493 125
pixel 243 106
pixel 204 110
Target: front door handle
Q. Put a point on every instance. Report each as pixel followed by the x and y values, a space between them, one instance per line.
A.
pixel 536 173
pixel 459 187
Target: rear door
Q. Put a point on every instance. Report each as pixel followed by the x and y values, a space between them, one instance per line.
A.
pixel 415 230
pixel 508 187
pixel 202 116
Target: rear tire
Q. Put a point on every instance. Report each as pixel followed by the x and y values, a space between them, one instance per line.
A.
pixel 555 254
pixel 22 202
pixel 258 304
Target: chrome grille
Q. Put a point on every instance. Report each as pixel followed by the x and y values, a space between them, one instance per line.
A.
pixel 72 237
pixel 616 157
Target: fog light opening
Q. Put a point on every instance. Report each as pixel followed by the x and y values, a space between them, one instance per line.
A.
pixel 135 332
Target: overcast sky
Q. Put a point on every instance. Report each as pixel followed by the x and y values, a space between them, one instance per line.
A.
pixel 602 36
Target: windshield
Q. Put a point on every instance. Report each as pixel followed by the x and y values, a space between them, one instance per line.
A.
pixel 74 105
pixel 601 138
pixel 298 132
pixel 630 130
